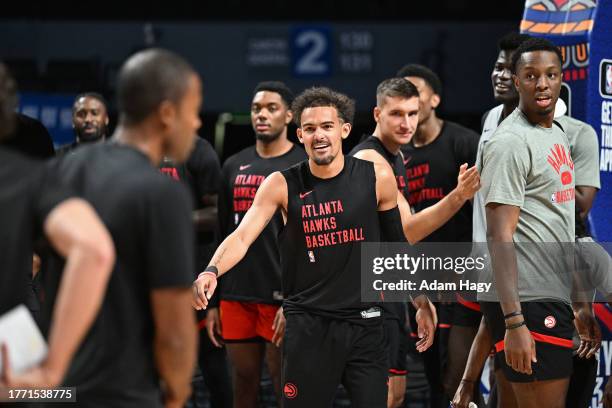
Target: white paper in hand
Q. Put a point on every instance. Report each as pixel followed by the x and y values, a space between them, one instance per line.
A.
pixel 26 345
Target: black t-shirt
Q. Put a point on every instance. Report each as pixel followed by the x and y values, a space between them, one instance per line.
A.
pixel 327 220
pixel 201 174
pixel 256 278
pixel 432 171
pixel 149 219
pixel 27 195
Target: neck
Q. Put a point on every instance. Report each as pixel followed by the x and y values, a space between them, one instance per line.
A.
pixel 389 144
pixel 509 107
pixel 537 119
pixel 277 147
pixel 143 138
pixel 427 131
pixel 329 170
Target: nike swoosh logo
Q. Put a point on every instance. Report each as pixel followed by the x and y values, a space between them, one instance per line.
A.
pixel 246 166
pixel 407 160
pixel 302 195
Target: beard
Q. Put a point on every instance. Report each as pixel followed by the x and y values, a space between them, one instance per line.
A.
pixel 267 137
pixel 323 161
pixel 85 137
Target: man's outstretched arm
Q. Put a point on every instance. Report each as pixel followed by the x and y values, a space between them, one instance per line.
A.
pixel 271 195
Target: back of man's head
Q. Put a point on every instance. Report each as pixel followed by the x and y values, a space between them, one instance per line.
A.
pixel 149 78
pixel 420 71
pixel 8 101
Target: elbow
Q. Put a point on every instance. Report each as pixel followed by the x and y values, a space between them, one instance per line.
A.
pixel 99 249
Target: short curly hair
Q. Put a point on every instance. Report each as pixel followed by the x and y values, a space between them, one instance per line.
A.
pixel 321 96
pixel 532 45
pixel 8 101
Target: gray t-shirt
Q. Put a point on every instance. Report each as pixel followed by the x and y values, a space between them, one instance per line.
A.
pixel 585 151
pixel 530 167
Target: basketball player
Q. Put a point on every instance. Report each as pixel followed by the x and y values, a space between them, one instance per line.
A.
pixel 89 120
pixel 145 334
pixel 250 320
pixel 327 324
pixel 396 114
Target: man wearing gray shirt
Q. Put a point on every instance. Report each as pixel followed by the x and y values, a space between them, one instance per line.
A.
pixel 528 190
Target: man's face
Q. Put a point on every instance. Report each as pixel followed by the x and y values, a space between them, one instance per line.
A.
pixel 538 80
pixel 322 132
pixel 269 116
pixel 397 119
pixel 89 119
pixel 186 122
pixel 504 90
pixel 428 100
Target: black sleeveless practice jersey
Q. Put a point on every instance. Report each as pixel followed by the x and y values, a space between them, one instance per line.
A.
pixel 327 220
pixel 256 278
pixel 392 310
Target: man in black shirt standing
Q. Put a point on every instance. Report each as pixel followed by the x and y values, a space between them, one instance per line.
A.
pixel 331 336
pixel 432 160
pixel 32 205
pixel 141 350
pixel 396 114
pixel 250 320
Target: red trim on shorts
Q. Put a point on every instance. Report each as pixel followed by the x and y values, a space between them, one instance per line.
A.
pixel 397 372
pixel 470 305
pixel 542 338
pixel 414 335
pixel 444 326
pixel 202 324
pixel 603 314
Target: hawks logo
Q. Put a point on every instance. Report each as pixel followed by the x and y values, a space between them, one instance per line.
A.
pixel 550 322
pixel 290 390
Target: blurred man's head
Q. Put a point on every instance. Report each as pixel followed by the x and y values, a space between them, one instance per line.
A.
pixel 504 90
pixel 89 117
pixel 397 110
pixel 271 110
pixel 159 87
pixel 429 86
pixel 8 101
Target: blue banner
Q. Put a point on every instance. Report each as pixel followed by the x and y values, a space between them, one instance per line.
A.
pixel 53 110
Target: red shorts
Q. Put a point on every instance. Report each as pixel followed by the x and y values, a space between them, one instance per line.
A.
pixel 247 321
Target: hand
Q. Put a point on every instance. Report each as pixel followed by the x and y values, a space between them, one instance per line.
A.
pixel 520 349
pixel 468 182
pixel 463 395
pixel 426 330
pixel 588 331
pixel 607 395
pixel 279 327
pixel 41 376
pixel 213 326
pixel 203 289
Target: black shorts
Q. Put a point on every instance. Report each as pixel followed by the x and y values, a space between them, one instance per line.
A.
pixel 551 325
pixel 319 353
pixel 466 313
pixel 396 344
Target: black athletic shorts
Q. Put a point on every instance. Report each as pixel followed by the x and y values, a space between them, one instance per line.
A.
pixel 396 344
pixel 551 325
pixel 466 313
pixel 319 353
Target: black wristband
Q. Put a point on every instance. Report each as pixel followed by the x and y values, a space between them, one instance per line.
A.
pixel 513 314
pixel 516 325
pixel 213 269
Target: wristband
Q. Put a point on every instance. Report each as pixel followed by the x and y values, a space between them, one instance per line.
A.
pixel 516 325
pixel 212 270
pixel 512 314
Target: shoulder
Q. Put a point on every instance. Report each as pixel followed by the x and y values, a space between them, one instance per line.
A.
pixel 237 158
pixel 384 172
pixel 369 154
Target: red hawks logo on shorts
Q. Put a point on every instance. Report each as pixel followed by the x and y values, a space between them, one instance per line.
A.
pixel 290 390
pixel 550 322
